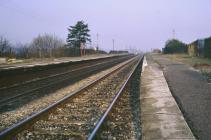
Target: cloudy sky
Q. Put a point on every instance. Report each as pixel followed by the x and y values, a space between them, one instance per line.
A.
pixel 141 24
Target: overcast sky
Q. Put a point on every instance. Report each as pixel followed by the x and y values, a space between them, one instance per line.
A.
pixel 143 24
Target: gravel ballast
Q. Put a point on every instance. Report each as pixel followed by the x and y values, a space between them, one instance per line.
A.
pixel 13 116
pixel 77 117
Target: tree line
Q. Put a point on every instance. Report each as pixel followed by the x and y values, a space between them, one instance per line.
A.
pixel 48 45
pixel 174 46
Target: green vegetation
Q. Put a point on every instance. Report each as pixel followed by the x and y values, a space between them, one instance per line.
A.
pixel 175 46
pixel 192 61
pixel 200 63
pixel 78 34
pixel 51 46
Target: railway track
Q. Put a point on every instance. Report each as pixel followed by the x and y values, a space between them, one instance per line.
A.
pixel 78 113
pixel 15 77
pixel 122 121
pixel 21 107
pixel 11 94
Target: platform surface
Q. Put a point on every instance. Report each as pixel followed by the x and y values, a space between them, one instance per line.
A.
pixel 160 115
pixel 47 61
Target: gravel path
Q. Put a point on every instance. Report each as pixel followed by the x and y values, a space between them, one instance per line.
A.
pixel 10 117
pixel 192 93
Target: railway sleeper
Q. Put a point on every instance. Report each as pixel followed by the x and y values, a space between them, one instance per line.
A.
pixel 93 111
pixel 49 135
pixel 59 126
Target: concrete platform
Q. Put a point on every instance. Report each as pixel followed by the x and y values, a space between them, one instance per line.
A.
pixel 48 61
pixel 160 115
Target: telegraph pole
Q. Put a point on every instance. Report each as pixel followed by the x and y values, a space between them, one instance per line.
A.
pixel 174 33
pixel 113 43
pixel 97 42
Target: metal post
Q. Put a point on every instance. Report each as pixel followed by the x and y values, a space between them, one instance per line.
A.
pixel 97 42
pixel 113 44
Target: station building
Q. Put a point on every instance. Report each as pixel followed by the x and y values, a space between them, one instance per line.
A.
pixel 200 47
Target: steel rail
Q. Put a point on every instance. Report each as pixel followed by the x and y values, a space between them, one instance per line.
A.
pixel 100 122
pixel 6 100
pixel 12 131
pixel 59 74
pixel 5 67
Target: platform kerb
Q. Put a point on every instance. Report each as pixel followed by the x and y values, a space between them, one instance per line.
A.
pixel 160 115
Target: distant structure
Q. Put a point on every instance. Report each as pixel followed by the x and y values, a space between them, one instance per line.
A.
pixel 174 34
pixel 118 52
pixel 200 47
pixel 97 47
pixel 156 50
pixel 113 43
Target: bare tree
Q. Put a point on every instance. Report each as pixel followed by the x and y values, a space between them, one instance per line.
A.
pixel 44 44
pixel 4 46
pixel 23 50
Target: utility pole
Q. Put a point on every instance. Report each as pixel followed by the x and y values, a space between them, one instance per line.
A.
pixel 174 33
pixel 50 52
pixel 97 42
pixel 113 43
pixel 40 52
